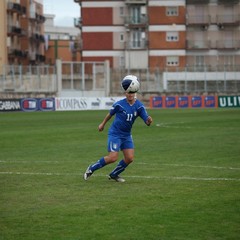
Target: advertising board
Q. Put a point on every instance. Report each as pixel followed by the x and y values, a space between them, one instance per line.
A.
pixel 10 105
pixel 82 103
pixel 184 101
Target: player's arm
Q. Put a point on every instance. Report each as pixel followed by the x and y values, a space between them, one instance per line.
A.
pixel 103 123
pixel 146 118
pixel 149 120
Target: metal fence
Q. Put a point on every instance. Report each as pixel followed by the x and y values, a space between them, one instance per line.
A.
pixel 97 79
pixel 28 79
pixel 85 77
pixel 189 80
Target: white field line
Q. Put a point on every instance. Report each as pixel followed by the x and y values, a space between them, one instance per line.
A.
pixel 145 177
pixel 183 125
pixel 138 163
pixel 190 166
pixel 22 161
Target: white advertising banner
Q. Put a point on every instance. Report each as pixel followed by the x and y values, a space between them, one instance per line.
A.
pixel 85 103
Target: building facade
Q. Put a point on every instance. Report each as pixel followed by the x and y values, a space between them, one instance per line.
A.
pixel 60 42
pixel 165 34
pixel 22 32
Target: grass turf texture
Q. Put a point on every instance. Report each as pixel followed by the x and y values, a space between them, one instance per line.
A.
pixel 183 184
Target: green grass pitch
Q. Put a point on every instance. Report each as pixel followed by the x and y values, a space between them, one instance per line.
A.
pixel 184 182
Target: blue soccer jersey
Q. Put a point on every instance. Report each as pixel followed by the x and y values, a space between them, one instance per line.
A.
pixel 126 114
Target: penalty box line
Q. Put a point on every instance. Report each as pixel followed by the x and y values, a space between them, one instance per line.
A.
pixel 134 176
pixel 138 163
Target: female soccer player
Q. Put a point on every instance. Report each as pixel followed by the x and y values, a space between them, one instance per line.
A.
pixel 119 135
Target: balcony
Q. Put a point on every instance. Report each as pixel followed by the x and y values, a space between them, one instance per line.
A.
pixel 203 20
pixel 40 18
pixel 16 31
pixel 16 8
pixel 141 44
pixel 36 17
pixel 228 2
pixel 198 45
pixel 219 45
pixel 228 44
pixel 35 57
pixel 37 37
pixel 136 22
pixel 228 20
pixel 15 53
pixel 13 7
pixel 77 46
pixel 77 22
pixel 40 58
pixel 197 1
pixel 141 2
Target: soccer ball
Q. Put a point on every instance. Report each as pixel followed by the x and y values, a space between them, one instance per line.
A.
pixel 130 84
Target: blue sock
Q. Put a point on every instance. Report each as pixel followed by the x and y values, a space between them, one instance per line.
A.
pixel 119 169
pixel 99 164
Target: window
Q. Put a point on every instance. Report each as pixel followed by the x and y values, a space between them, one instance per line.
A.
pixel 121 37
pixel 172 37
pixel 136 39
pixel 172 11
pixel 121 9
pixel 172 61
pixel 199 60
pixel 229 60
pixel 121 62
pixel 135 15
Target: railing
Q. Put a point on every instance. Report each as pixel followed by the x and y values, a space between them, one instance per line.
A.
pixel 96 79
pixel 135 1
pixel 190 80
pixel 141 44
pixel 221 79
pixel 84 78
pixel 197 1
pixel 233 19
pixel 28 79
pixel 198 19
pixel 206 19
pixel 77 22
pixel 199 44
pixel 142 20
pixel 228 1
pixel 228 44
pixel 207 44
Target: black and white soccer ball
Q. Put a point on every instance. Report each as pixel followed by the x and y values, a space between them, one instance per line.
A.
pixel 130 84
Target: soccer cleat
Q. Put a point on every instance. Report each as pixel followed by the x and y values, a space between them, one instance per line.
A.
pixel 116 178
pixel 87 174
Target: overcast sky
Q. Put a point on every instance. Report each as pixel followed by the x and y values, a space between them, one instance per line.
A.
pixel 64 11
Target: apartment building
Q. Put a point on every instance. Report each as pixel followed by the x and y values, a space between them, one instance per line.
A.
pixel 213 34
pixel 165 34
pixel 61 42
pixel 22 32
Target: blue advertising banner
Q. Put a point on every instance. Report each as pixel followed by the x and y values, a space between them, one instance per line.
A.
pixel 210 101
pixel 183 102
pixel 170 102
pixel 156 102
pixel 47 104
pixel 196 101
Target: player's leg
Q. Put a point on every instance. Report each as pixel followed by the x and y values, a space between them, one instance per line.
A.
pixel 110 158
pixel 113 149
pixel 128 152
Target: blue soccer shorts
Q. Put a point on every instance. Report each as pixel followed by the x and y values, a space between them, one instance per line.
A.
pixel 115 144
